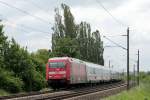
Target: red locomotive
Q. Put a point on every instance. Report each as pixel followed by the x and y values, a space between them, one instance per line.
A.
pixel 65 71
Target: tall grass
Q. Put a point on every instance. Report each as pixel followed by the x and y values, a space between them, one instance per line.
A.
pixel 3 93
pixel 141 92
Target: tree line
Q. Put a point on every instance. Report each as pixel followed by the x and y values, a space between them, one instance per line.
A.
pixel 75 40
pixel 19 69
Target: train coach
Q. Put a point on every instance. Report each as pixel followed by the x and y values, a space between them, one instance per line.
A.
pixel 66 71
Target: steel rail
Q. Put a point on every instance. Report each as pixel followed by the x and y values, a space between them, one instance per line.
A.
pixel 80 92
pixel 63 93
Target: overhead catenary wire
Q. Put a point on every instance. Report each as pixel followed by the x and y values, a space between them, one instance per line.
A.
pixel 37 6
pixel 24 29
pixel 110 46
pixel 23 26
pixel 127 49
pixel 25 12
pixel 115 43
pixel 116 20
pixel 115 35
pixel 113 17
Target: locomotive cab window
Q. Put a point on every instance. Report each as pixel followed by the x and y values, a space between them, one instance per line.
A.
pixel 56 64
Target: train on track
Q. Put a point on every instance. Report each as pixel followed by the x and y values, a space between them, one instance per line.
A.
pixel 66 71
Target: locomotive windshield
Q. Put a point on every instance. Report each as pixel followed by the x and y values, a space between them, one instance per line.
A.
pixel 56 64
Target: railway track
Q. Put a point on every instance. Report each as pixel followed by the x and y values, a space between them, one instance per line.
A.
pixel 64 94
pixel 85 91
pixel 21 95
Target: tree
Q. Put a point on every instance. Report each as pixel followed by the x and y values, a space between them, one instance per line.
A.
pixel 20 62
pixel 19 70
pixel 40 58
pixel 3 47
pixel 98 48
pixel 73 40
pixel 90 44
pixel 83 31
pixel 69 24
pixel 66 47
pixel 64 36
pixel 8 80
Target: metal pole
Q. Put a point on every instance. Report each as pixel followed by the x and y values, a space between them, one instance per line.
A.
pixel 128 58
pixel 123 73
pixel 109 68
pixel 134 73
pixel 109 63
pixel 138 69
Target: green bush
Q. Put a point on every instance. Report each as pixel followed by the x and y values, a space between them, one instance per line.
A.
pixel 9 82
pixel 33 80
pixel 141 92
pixel 19 69
pixel 3 92
pixel 39 81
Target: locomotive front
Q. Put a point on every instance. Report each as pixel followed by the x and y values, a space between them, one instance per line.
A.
pixel 56 72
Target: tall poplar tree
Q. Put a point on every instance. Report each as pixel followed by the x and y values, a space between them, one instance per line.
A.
pixel 75 40
pixel 64 42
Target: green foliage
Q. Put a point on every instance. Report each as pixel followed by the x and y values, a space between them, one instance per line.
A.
pixel 20 70
pixel 9 82
pixel 73 40
pixel 39 81
pixel 69 24
pixel 144 77
pixel 66 47
pixel 34 80
pixel 40 58
pixel 16 58
pixel 3 47
pixel 138 93
pixel 7 79
pixel 3 92
pixel 42 54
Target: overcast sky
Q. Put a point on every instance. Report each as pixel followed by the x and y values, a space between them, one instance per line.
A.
pixel 35 33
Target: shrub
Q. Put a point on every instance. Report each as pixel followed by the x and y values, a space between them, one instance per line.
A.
pixel 39 81
pixel 9 82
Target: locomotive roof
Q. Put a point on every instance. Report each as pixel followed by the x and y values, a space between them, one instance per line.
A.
pixel 58 58
pixel 87 63
pixel 96 65
pixel 78 60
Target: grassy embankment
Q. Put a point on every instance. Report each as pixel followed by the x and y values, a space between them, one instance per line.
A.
pixel 137 93
pixel 3 93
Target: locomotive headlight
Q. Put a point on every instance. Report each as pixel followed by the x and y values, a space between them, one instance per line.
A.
pixel 52 73
pixel 58 72
pixel 62 72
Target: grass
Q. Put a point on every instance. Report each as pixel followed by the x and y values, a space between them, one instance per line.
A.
pixel 3 93
pixel 137 93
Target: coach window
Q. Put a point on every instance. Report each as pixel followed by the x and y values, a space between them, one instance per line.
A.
pixel 91 71
pixel 94 71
